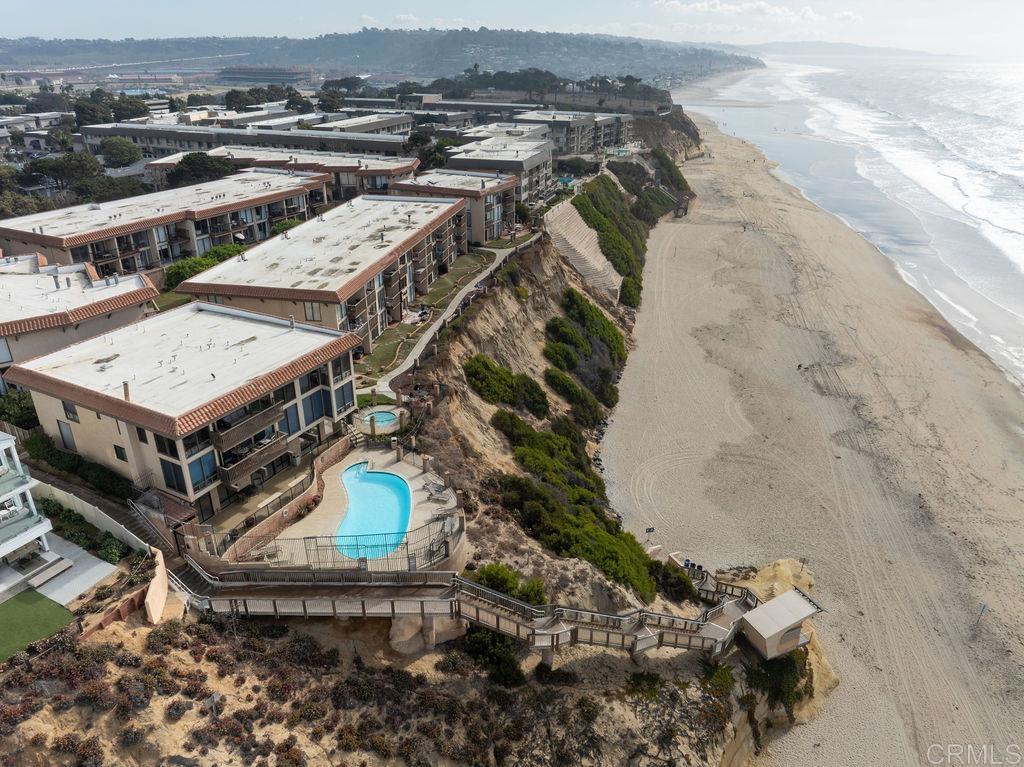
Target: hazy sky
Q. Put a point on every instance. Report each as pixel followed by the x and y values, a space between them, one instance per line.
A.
pixel 985 27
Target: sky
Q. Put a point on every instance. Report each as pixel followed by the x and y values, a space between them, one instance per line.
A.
pixel 971 27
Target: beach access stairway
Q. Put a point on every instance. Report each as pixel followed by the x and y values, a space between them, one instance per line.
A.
pixel 578 243
pixel 434 594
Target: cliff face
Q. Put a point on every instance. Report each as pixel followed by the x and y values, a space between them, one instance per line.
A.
pixel 675 132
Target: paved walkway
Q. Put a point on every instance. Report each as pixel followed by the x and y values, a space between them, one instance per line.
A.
pixel 85 573
pixel 383 385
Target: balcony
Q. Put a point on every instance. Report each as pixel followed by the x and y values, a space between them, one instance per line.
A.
pixel 238 474
pixel 249 425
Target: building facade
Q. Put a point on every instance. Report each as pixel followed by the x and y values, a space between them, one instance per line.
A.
pixel 151 231
pixel 358 267
pixel 22 528
pixel 581 132
pixel 203 402
pixel 528 160
pixel 490 199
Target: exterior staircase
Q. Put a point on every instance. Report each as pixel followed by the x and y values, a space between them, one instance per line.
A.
pixel 578 244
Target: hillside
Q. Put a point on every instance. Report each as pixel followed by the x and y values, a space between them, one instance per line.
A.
pixel 420 52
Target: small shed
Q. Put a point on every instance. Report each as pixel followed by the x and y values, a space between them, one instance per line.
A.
pixel 774 628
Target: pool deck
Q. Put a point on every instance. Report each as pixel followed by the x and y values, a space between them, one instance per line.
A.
pixel 325 519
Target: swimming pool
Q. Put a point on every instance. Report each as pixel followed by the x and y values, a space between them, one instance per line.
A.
pixel 379 507
pixel 384 417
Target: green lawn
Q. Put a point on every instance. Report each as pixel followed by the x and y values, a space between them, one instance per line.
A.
pixel 27 617
pixel 506 243
pixel 170 300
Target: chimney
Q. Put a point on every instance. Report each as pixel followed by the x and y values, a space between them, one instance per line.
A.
pixel 291 321
pixel 67 281
pixel 56 282
pixel 127 396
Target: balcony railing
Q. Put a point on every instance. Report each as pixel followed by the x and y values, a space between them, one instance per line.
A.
pixel 237 475
pixel 251 424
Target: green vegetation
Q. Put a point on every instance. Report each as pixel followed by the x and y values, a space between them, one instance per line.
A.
pixel 651 205
pixel 561 355
pixel 170 300
pixel 586 410
pixel 119 152
pixel 187 268
pixel 499 577
pixel 496 653
pixel 644 684
pixel 198 168
pixel 716 678
pixel 284 225
pixel 632 175
pixel 367 400
pixel 594 324
pixel 497 385
pixel 620 235
pixel 785 680
pixel 28 617
pixel 41 448
pixel 576 166
pixel 16 408
pixel 671 176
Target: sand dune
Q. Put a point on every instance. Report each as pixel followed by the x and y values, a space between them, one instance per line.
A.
pixel 790 396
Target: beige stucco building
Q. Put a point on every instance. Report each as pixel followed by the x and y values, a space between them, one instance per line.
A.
pixel 204 402
pixel 490 198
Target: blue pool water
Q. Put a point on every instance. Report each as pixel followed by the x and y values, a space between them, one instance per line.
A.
pixel 384 417
pixel 379 505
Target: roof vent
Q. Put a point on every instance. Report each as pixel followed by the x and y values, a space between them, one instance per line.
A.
pixel 127 395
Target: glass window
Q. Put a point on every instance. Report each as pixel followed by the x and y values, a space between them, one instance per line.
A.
pixel 285 394
pixel 174 477
pixel 193 443
pixel 120 453
pixel 70 411
pixel 313 408
pixel 341 367
pixel 343 398
pixel 166 446
pixel 141 433
pixel 5 352
pixel 289 423
pixel 203 471
pixel 311 310
pixel 66 436
pixel 313 379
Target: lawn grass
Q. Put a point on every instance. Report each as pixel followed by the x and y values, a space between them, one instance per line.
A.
pixel 27 617
pixel 171 300
pixel 506 243
pixel 394 343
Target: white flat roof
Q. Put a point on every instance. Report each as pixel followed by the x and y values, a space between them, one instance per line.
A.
pixel 179 360
pixel 523 130
pixel 301 157
pixel 353 124
pixel 236 188
pixel 27 292
pixel 327 253
pixel 465 180
pixel 501 148
pixel 781 613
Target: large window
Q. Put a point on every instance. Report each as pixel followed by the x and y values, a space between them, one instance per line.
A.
pixel 202 471
pixel 313 408
pixel 174 477
pixel 141 434
pixel 289 423
pixel 5 352
pixel 166 446
pixel 343 398
pixel 313 379
pixel 285 394
pixel 70 411
pixel 311 310
pixel 196 442
pixel 341 367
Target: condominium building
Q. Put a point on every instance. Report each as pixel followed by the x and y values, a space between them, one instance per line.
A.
pixel 490 198
pixel 392 124
pixel 581 132
pixel 45 307
pixel 358 267
pixel 22 528
pixel 351 174
pixel 147 232
pixel 204 401
pixel 158 140
pixel 511 131
pixel 527 159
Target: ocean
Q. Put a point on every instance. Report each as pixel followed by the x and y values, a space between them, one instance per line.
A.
pixel 924 156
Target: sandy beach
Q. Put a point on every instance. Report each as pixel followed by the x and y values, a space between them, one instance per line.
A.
pixel 791 396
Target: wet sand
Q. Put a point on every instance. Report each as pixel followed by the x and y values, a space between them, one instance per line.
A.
pixel 791 396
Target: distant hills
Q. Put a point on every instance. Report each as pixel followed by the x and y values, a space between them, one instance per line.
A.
pixel 425 53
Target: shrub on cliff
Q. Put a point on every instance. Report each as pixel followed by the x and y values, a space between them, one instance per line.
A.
pixel 499 385
pixel 499 577
pixel 561 355
pixel 586 410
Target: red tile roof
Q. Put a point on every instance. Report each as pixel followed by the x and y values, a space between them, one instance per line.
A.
pixel 186 423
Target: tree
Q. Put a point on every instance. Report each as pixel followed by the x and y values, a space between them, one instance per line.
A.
pixel 523 213
pixel 103 188
pixel 348 84
pixel 199 99
pixel 223 252
pixel 298 103
pixel 185 269
pixel 433 156
pixel 89 112
pixel 284 225
pixel 61 138
pixel 66 169
pixel 330 101
pixel 16 408
pixel 119 152
pixel 239 100
pixel 198 168
pixel 128 108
